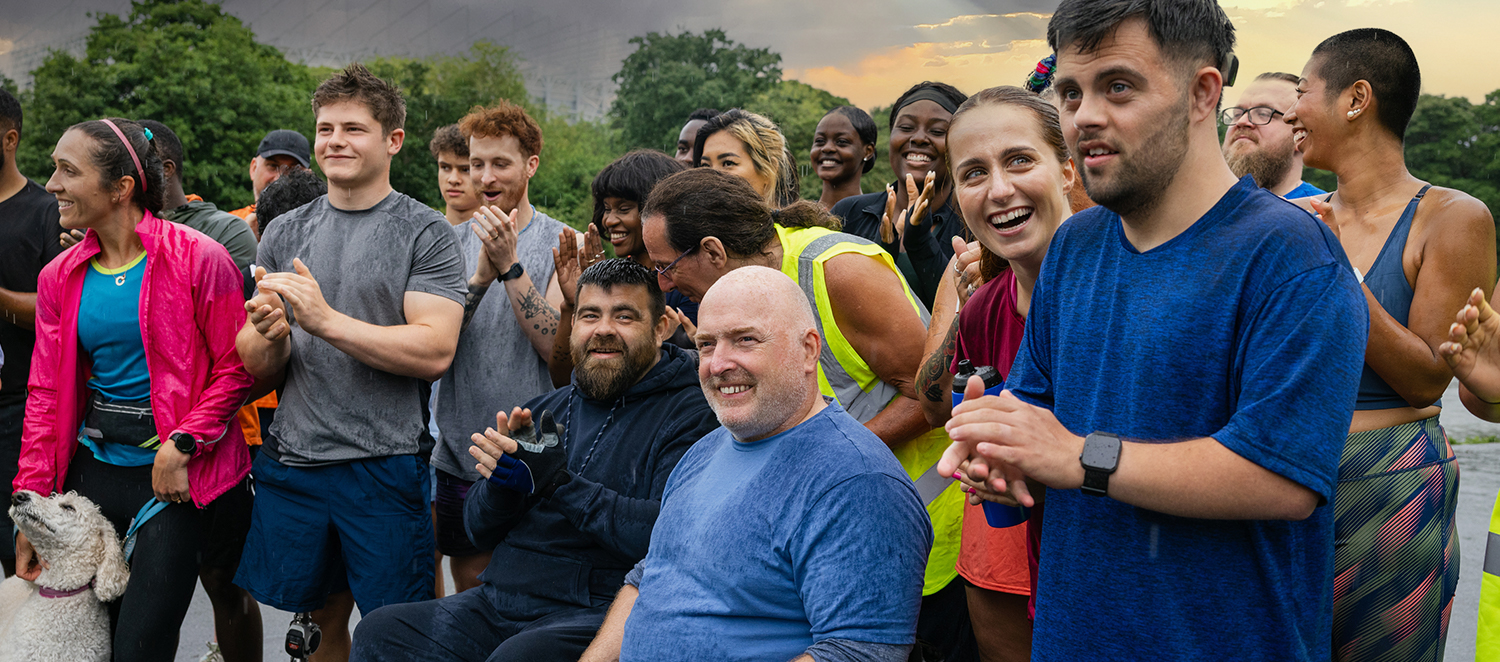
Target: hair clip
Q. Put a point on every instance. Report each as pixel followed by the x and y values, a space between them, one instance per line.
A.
pixel 1041 78
pixel 148 133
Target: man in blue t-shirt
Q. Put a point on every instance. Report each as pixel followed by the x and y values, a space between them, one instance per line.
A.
pixel 1188 371
pixel 791 532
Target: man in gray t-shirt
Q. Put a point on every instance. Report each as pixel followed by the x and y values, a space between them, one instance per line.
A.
pixel 357 309
pixel 507 339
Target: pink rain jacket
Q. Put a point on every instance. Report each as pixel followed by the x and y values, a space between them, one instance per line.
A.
pixel 192 306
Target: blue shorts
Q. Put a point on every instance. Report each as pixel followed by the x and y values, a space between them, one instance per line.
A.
pixel 314 530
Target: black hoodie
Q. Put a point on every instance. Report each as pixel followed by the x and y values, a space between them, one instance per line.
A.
pixel 576 546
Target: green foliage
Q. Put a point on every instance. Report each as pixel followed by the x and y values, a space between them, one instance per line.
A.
pixel 185 63
pixel 668 76
pixel 440 90
pixel 797 107
pixel 573 153
pixel 1453 143
pixel 882 173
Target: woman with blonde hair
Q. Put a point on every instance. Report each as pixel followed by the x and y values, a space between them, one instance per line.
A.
pixel 751 146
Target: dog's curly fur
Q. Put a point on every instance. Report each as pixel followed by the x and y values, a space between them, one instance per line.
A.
pixel 77 545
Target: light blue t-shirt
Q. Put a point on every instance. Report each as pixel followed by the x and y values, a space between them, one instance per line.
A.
pixel 109 329
pixel 1248 327
pixel 762 549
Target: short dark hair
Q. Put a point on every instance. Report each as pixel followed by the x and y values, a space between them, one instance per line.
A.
pixel 1380 58
pixel 1188 31
pixel 502 119
pixel 703 114
pixel 947 91
pixel 703 202
pixel 356 83
pixel 167 143
pixel 625 271
pixel 1281 76
pixel 10 112
pixel 113 160
pixel 294 188
pixel 631 177
pixel 864 125
pixel 449 139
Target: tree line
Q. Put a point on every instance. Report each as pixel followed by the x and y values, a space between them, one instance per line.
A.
pixel 201 71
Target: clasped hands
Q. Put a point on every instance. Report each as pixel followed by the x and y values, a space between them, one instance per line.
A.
pixel 298 289
pixel 999 442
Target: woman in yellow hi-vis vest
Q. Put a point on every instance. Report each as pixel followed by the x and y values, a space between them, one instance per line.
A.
pixel 1473 351
pixel 701 224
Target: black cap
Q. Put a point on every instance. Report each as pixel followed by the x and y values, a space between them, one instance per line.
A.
pixel 284 141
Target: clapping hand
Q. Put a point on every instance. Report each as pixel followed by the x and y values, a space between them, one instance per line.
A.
pixel 966 268
pixel 890 229
pixel 571 260
pixel 529 460
pixel 1473 347
pixel 267 311
pixel 497 232
pixel 301 291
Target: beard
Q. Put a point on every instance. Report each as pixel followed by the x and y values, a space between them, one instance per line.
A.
pixel 606 380
pixel 777 399
pixel 1139 179
pixel 1268 164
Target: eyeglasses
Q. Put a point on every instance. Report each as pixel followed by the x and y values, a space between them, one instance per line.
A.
pixel 1259 115
pixel 666 271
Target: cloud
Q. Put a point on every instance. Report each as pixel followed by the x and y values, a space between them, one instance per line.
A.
pixel 880 77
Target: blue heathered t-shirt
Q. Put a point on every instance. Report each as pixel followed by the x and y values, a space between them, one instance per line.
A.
pixel 1248 327
pixel 762 549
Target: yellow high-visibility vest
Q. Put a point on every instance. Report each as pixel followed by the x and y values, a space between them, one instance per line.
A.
pixel 845 376
pixel 1487 646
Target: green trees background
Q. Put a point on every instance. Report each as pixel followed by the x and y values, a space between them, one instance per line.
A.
pixel 201 71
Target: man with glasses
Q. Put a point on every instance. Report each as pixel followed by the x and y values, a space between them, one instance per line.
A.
pixel 1258 143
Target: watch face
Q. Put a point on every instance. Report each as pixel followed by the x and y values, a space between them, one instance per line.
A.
pixel 1101 452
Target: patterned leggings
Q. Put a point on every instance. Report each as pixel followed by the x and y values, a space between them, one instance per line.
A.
pixel 1395 545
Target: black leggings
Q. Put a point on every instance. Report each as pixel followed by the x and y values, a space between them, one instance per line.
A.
pixel 164 567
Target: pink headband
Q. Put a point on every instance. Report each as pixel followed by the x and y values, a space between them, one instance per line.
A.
pixel 138 171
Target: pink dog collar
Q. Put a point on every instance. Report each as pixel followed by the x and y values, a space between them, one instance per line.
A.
pixel 54 593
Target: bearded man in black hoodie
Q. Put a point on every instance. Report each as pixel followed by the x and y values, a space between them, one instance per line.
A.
pixel 572 488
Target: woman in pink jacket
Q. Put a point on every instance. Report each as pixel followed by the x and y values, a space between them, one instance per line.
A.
pixel 135 379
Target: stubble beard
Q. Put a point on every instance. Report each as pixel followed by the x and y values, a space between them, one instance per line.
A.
pixel 1139 181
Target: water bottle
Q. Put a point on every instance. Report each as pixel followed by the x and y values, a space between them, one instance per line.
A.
pixel 998 515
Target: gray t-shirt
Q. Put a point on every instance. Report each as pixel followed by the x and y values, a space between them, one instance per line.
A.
pixel 335 408
pixel 496 368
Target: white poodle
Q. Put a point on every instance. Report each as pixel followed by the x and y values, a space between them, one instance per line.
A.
pixel 62 617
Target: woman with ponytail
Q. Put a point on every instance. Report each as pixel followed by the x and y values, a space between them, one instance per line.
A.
pixel 135 361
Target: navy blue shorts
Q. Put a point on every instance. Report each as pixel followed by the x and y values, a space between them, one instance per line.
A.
pixel 314 530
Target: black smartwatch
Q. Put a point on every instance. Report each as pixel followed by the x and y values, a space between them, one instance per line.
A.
pixel 184 442
pixel 513 273
pixel 1100 458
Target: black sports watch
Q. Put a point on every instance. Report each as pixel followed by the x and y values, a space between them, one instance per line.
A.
pixel 1100 458
pixel 513 273
pixel 184 442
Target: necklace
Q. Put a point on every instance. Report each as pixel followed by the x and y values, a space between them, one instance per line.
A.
pixel 120 279
pixel 567 422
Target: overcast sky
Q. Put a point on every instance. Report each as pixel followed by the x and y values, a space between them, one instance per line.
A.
pixel 866 50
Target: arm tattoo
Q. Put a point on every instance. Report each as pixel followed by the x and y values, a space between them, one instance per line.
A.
pixel 538 312
pixel 929 377
pixel 471 302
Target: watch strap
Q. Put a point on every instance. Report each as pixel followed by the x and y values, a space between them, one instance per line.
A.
pixel 513 273
pixel 1099 446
